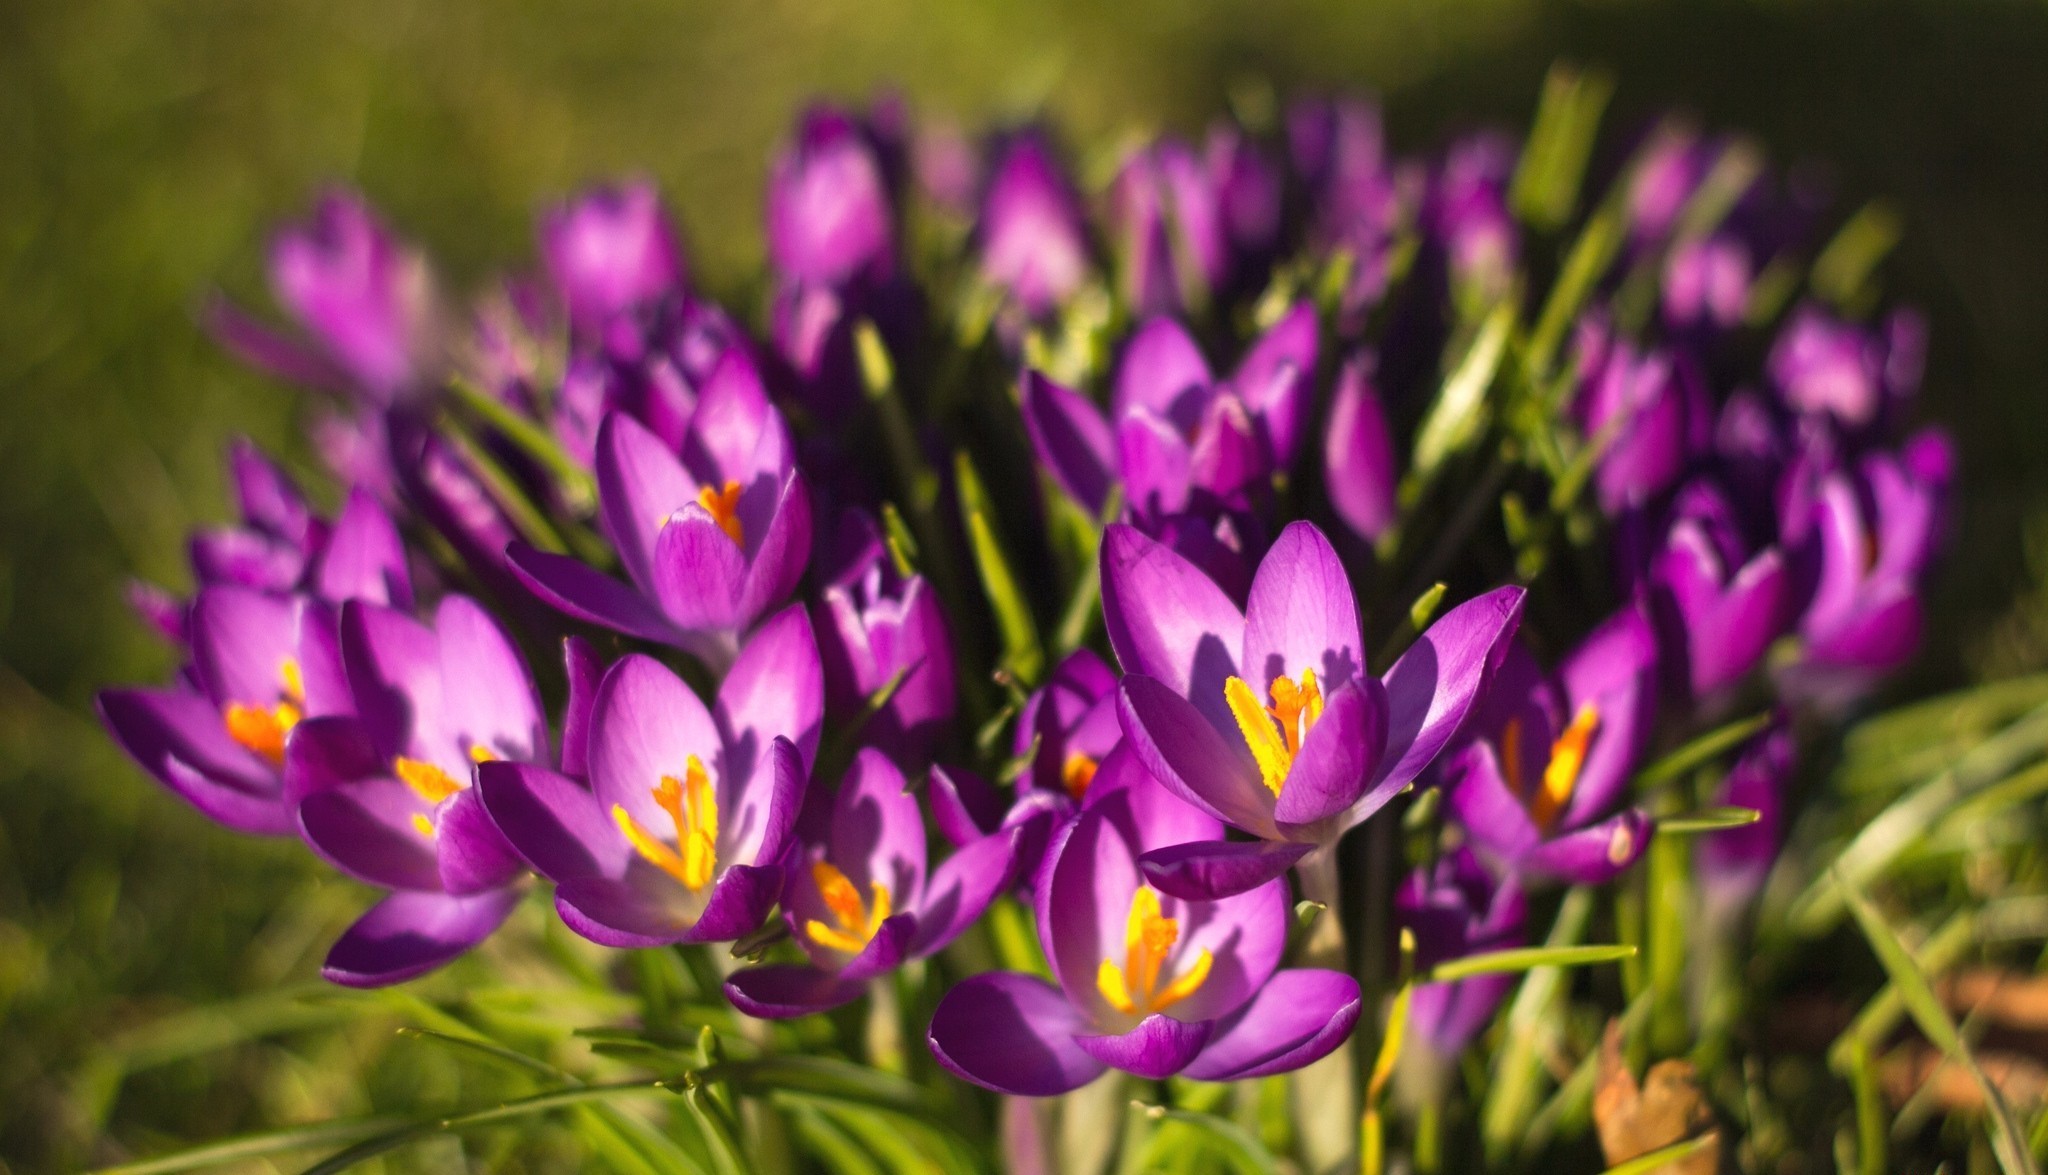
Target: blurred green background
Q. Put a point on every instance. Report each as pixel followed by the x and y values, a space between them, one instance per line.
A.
pixel 146 146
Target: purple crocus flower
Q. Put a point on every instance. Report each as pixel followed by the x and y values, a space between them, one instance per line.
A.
pixel 1537 787
pixel 1824 366
pixel 365 299
pixel 1717 602
pixel 1878 527
pixel 1355 203
pixel 1248 195
pixel 710 540
pixel 1360 473
pixel 1148 982
pixel 1167 222
pixel 610 251
pixel 1707 282
pixel 655 367
pixel 873 624
pixel 1646 409
pixel 1069 725
pixel 1467 212
pixel 261 663
pixel 831 221
pixel 279 535
pixel 1174 430
pixel 1456 908
pixel 1731 865
pixel 858 899
pixel 1031 236
pixel 1266 719
pixel 689 814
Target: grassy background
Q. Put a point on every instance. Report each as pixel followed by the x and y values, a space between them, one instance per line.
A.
pixel 146 145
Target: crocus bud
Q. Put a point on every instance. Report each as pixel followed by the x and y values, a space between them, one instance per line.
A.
pixel 874 624
pixel 1359 468
pixel 1454 908
pixel 608 251
pixel 1468 215
pixel 1645 409
pixel 1718 603
pixel 1731 864
pixel 1339 151
pixel 1168 229
pixel 830 221
pixel 366 299
pixel 1247 193
pixel 1031 237
pixel 1706 282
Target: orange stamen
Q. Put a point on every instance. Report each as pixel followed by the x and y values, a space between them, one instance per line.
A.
pixel 724 507
pixel 262 729
pixel 1275 733
pixel 692 805
pixel 857 921
pixel 1077 773
pixel 1133 988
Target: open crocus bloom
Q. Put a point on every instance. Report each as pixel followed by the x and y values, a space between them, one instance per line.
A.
pixel 1148 983
pixel 682 832
pixel 1456 908
pixel 1536 790
pixel 857 897
pixel 1174 430
pixel 386 797
pixel 1266 719
pixel 710 540
pixel 1718 605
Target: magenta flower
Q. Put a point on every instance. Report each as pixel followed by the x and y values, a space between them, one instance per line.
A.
pixel 1148 982
pixel 831 219
pixel 857 896
pixel 1467 212
pixel 1733 864
pixel 1031 236
pixel 710 540
pixel 1456 908
pixel 1717 603
pixel 1069 725
pixel 1166 219
pixel 1266 719
pixel 384 795
pixel 873 624
pixel 689 814
pixel 1824 366
pixel 1338 150
pixel 655 367
pixel 1550 759
pixel 1360 473
pixel 1174 430
pixel 1646 409
pixel 610 251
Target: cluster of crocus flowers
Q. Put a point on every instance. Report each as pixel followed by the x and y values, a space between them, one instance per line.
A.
pixel 1244 610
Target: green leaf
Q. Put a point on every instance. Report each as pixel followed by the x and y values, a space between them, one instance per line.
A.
pixel 1590 255
pixel 1527 959
pixel 578 488
pixel 1546 183
pixel 1457 417
pixel 487 1049
pixel 902 544
pixel 826 1078
pixel 1657 1159
pixel 256 1146
pixel 1219 1136
pixel 1699 752
pixel 1426 604
pixel 1933 1020
pixel 1022 653
pixel 539 1103
pixel 1841 274
pixel 1519 1073
pixel 1707 820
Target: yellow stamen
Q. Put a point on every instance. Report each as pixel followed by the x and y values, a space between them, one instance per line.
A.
pixel 1275 733
pixel 692 804
pixel 482 754
pixel 724 506
pixel 293 679
pixel 424 826
pixel 1133 988
pixel 432 783
pixel 1077 773
pixel 262 730
pixel 1567 758
pixel 857 922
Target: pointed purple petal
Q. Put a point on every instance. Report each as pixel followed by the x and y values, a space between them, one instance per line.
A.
pixel 1159 1047
pixel 775 688
pixel 740 900
pixel 965 807
pixel 1478 797
pixel 555 824
pixel 584 669
pixel 962 887
pixel 640 482
pixel 784 991
pixel 1359 470
pixel 394 673
pixel 1274 380
pixel 1191 758
pixel 1169 621
pixel 365 558
pixel 1301 615
pixel 490 698
pixel 472 853
pixel 409 934
pixel 575 588
pixel 778 560
pixel 1205 871
pixel 1072 440
pixel 1330 771
pixel 1297 1017
pixel 1433 686
pixel 1163 370
pixel 1011 1033
pixel 1593 855
pixel 648 724
pixel 240 642
pixel 180 738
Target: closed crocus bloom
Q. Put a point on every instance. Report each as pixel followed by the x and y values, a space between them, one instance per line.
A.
pixel 1266 719
pixel 654 367
pixel 278 538
pixel 1339 150
pixel 1455 908
pixel 1032 241
pixel 1248 195
pixel 1167 224
pixel 1823 365
pixel 1718 604
pixel 1359 470
pixel 1537 788
pixel 830 219
pixel 609 251
pixel 710 539
pixel 874 624
pixel 385 795
pixel 1146 982
pixel 261 663
pixel 1468 215
pixel 1732 864
pixel 1707 282
pixel 1174 430
pixel 689 813
pixel 1666 172
pixel 1646 411
pixel 858 898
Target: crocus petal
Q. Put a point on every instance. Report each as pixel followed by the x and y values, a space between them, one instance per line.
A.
pixel 768 812
pixel 1298 1017
pixel 1011 1033
pixel 962 887
pixel 365 558
pixel 1330 770
pixel 778 559
pixel 965 807
pixel 235 555
pixel 490 698
pixel 640 482
pixel 1163 370
pixel 884 952
pixel 740 900
pixel 1301 614
pixel 1156 463
pixel 1227 459
pixel 1433 686
pixel 362 824
pixel 472 853
pixel 1593 855
pixel 784 991
pixel 268 350
pixel 1274 380
pixel 1477 795
pixel 735 434
pixel 775 688
pixel 584 669
pixel 179 738
pixel 699 572
pixel 573 587
pixel 648 725
pixel 409 934
pixel 240 641
pixel 1732 638
pixel 1191 758
pixel 1159 1047
pixel 1615 670
pixel 553 822
pixel 1204 871
pixel 1071 439
pixel 1358 456
pixel 394 673
pixel 613 912
pixel 1169 621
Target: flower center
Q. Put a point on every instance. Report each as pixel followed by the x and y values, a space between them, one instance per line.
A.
pixel 1077 773
pixel 1275 733
pixel 1133 988
pixel 693 806
pixel 1560 772
pixel 857 922
pixel 433 784
pixel 724 507
pixel 262 729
